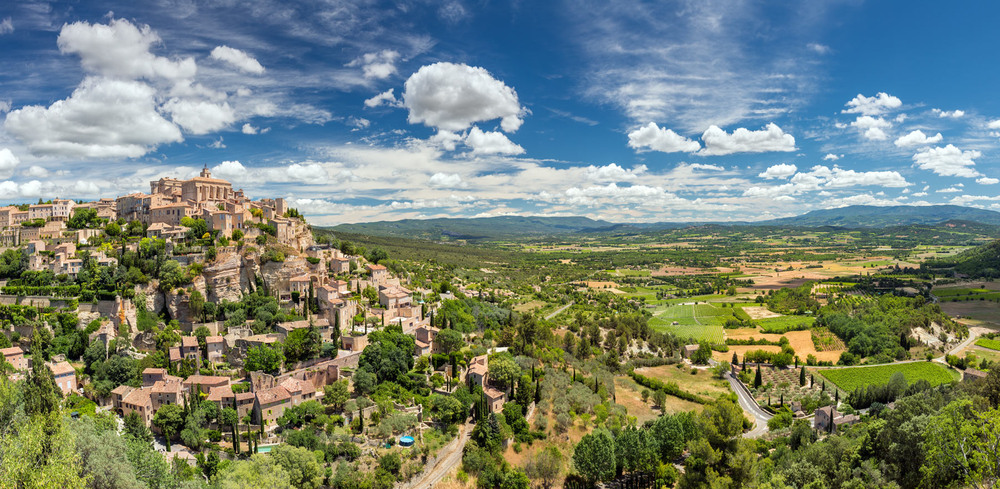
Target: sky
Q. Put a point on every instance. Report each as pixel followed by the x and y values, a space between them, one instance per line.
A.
pixel 627 111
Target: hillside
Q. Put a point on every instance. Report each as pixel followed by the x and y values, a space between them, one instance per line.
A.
pixel 867 216
pixel 476 228
pixel 981 261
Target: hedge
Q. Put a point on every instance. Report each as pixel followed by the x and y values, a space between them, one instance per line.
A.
pixel 670 388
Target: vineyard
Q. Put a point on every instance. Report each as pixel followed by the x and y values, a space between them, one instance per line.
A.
pixel 782 385
pixel 959 294
pixel 849 379
pixel 988 343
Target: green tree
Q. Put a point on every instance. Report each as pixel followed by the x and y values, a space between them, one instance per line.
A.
pixel 169 419
pixel 41 394
pixel 450 340
pixel 336 394
pixel 302 344
pixel 300 464
pixel 503 370
pixel 635 450
pixel 961 444
pixel 545 467
pixel 448 410
pixel 364 382
pixel 264 358
pixel 136 427
pixel 594 456
pixel 802 377
pixel 757 379
pixel 259 471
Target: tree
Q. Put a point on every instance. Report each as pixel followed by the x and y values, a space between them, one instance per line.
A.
pixel 265 359
pixel 196 303
pixel 364 382
pixel 136 427
pixel 41 394
pixel 259 471
pixel 336 394
pixel 757 379
pixel 503 371
pixel 545 466
pixel 702 355
pixel 594 456
pixel 961 446
pixel 300 464
pixel 389 354
pixel 448 410
pixel 100 451
pixel 802 377
pixel 668 434
pixel 170 421
pixel 659 398
pixel 635 450
pixel 302 344
pixel 451 340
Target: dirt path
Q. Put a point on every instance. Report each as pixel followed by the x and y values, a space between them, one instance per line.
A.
pixel 557 311
pixel 449 458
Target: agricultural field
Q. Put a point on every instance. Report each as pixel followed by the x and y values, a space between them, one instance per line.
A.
pixel 698 321
pixel 782 385
pixel 849 379
pixel 784 324
pixel 702 382
pixel 988 343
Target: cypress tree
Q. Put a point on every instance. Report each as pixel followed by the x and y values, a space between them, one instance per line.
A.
pixel 736 358
pixel 538 393
pixel 802 376
pixel 757 379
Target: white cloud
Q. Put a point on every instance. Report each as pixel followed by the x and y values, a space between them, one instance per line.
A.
pixel 358 122
pixel 703 166
pixel 8 162
pixel 300 173
pixel 6 26
pixel 248 129
pixel 822 177
pixel 743 140
pixel 376 66
pixel 660 139
pixel 31 189
pixel 613 173
pixel 948 161
pixel 782 170
pixel 200 117
pixel 818 48
pixel 872 127
pixel 954 114
pixel 446 140
pixel 36 171
pixel 491 142
pixel 917 138
pixel 832 157
pixel 217 144
pixel 876 105
pixel 305 173
pixel 445 180
pixel 121 49
pixel 103 118
pixel 993 124
pixel 920 194
pixel 453 96
pixel 385 98
pixel 987 181
pixel 949 190
pixel 237 58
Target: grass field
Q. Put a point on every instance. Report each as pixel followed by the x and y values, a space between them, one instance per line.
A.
pixel 703 322
pixel 848 379
pixel 988 343
pixel 785 323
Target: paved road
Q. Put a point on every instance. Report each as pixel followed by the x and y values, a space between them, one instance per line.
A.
pixel 450 457
pixel 557 311
pixel 750 406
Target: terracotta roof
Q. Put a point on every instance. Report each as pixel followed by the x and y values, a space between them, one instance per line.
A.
pixel 171 387
pixel 154 371
pixel 189 342
pixel 217 394
pixel 213 339
pixel 122 390
pixel 206 380
pixel 272 395
pixel 478 368
pixel 375 267
pixel 850 418
pixel 61 368
pixel 422 345
pixel 138 397
pixel 492 393
pixel 14 350
pixel 243 396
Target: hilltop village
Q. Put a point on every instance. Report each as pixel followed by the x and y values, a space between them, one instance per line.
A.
pixel 194 298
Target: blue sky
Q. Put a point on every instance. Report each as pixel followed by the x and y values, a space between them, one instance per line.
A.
pixel 625 111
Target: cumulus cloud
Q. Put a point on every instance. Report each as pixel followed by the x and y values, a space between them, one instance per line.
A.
pixel 822 177
pixel 445 180
pixel 8 162
pixel 385 98
pixel 491 142
pixel 872 127
pixel 376 66
pixel 917 138
pixel 949 190
pixel 308 173
pixel 102 118
pixel 743 140
pixel 877 105
pixel 447 140
pixel 36 171
pixel 948 161
pixel 832 157
pixel 248 129
pixel 987 181
pixel 953 114
pixel 237 58
pixel 613 173
pixel 453 96
pixel 199 117
pixel 993 124
pixel 121 49
pixel 652 137
pixel 782 170
pixel 6 26
pixel 703 166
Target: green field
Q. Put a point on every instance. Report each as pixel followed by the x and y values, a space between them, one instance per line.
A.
pixel 698 321
pixel 988 343
pixel 848 379
pixel 785 324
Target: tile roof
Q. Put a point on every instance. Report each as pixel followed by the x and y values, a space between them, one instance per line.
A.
pixel 272 395
pixel 189 342
pixel 14 350
pixel 138 397
pixel 61 368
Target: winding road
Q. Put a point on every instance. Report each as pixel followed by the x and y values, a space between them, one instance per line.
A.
pixel 750 406
pixel 450 457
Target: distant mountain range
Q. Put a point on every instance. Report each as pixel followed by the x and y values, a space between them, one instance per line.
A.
pixel 857 216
